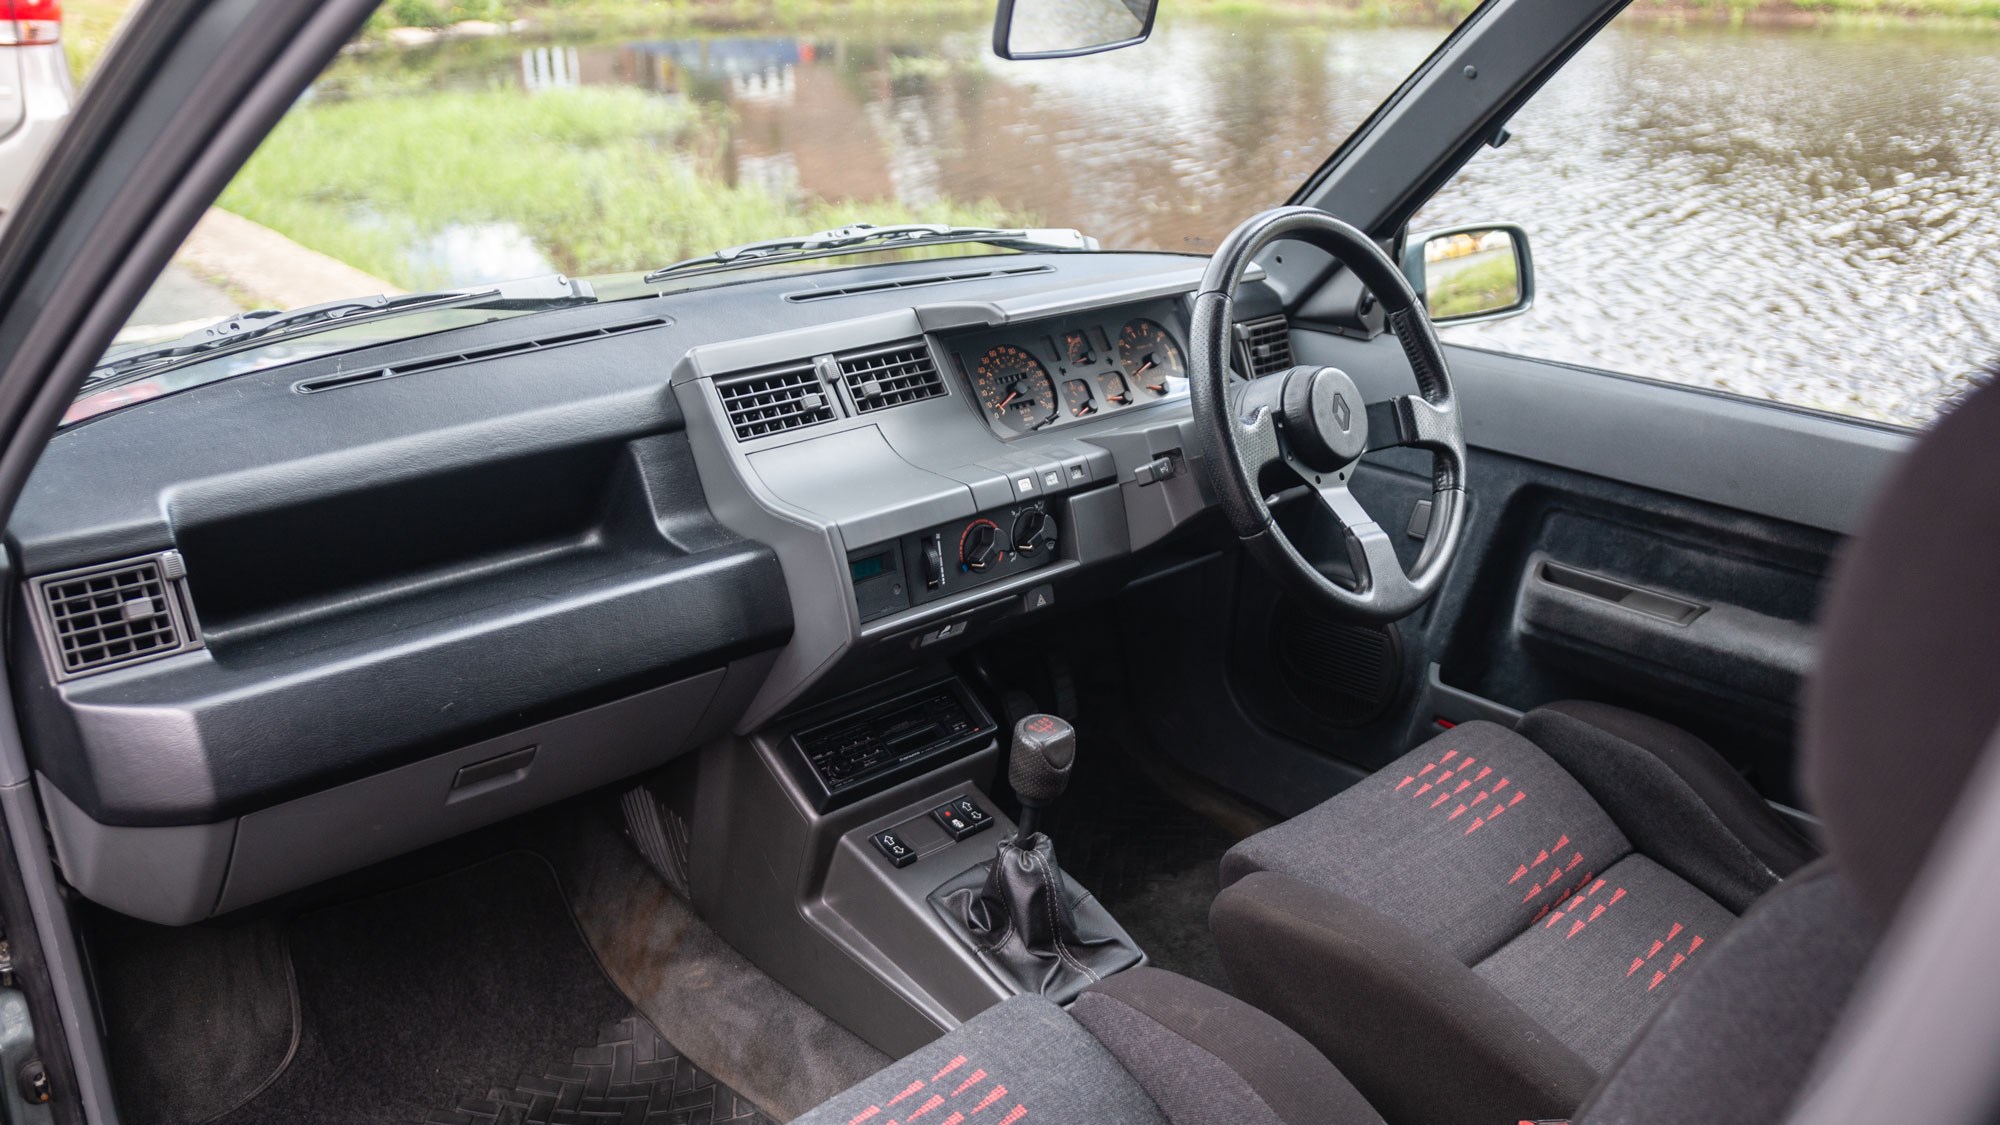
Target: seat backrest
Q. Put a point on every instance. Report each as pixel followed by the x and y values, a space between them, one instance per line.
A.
pixel 1896 716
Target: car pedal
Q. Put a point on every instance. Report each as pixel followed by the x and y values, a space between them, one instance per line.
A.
pixel 661 836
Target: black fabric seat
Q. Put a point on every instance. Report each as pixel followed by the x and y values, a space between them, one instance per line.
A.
pixel 1144 1047
pixel 1521 901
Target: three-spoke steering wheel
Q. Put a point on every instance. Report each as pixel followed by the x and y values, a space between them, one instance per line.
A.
pixel 1313 420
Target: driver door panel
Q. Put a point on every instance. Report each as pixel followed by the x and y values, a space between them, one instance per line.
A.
pixel 1649 545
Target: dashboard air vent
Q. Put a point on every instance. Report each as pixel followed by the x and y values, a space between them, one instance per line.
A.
pixel 1267 345
pixel 771 402
pixel 115 614
pixel 453 359
pixel 890 376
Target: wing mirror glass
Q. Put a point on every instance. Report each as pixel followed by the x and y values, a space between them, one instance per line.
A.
pixel 1061 29
pixel 1471 273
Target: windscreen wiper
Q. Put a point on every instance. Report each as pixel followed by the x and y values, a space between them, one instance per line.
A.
pixel 859 238
pixel 265 326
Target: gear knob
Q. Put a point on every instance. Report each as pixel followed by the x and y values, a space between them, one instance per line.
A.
pixel 1044 750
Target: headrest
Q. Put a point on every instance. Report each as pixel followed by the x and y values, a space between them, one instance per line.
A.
pixel 1907 690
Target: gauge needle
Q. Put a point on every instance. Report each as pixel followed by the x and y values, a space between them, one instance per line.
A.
pixel 1143 367
pixel 1083 410
pixel 1011 396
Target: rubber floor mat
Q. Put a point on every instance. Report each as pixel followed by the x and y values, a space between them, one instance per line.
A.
pixel 471 998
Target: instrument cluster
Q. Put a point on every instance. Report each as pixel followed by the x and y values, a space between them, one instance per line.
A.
pixel 1065 371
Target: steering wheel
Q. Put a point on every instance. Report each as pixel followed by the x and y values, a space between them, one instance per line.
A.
pixel 1313 420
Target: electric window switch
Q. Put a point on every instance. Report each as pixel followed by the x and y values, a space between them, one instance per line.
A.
pixel 894 848
pixel 962 817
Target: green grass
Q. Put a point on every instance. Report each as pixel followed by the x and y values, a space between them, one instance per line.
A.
pixel 88 26
pixel 602 179
pixel 1479 287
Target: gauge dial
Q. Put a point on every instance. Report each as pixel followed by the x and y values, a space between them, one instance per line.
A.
pixel 1015 388
pixel 1078 399
pixel 1150 357
pixel 1115 391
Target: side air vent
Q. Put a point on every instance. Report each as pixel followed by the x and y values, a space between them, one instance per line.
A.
pixel 1266 345
pixel 453 359
pixel 108 616
pixel 917 282
pixel 774 401
pixel 890 376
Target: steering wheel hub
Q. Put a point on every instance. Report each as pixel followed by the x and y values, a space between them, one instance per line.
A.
pixel 1323 418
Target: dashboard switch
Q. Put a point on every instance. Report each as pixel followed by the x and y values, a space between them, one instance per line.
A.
pixel 933 562
pixel 894 848
pixel 962 817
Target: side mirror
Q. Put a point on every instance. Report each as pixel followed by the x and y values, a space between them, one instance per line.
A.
pixel 1471 273
pixel 1061 29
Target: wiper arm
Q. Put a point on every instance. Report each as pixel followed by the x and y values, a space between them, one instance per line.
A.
pixel 859 238
pixel 264 326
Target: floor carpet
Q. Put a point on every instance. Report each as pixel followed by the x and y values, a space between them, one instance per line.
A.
pixel 471 998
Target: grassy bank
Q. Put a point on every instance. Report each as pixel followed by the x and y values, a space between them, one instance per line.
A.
pixel 87 29
pixel 601 179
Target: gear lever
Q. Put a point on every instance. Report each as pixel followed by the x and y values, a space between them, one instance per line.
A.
pixel 1017 911
pixel 1038 766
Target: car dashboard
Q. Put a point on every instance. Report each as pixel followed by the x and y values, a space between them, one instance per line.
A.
pixel 314 616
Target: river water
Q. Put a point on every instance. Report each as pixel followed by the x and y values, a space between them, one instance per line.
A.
pixel 1795 213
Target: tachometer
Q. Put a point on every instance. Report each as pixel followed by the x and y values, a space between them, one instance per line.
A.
pixel 1015 388
pixel 1149 357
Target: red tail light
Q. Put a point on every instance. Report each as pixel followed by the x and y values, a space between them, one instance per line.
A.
pixel 23 22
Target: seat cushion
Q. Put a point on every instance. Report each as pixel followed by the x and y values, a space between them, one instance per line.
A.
pixel 1593 971
pixel 1735 1045
pixel 1673 796
pixel 1466 840
pixel 1472 898
pixel 1024 1060
pixel 1143 1047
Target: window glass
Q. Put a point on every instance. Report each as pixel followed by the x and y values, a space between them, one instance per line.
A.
pixel 465 142
pixel 1806 214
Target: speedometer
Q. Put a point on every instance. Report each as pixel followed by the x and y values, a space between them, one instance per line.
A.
pixel 1015 388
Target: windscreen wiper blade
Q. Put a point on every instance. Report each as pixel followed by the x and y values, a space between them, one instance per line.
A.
pixel 264 326
pixel 859 238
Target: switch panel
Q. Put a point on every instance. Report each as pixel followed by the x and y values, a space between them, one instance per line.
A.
pixel 962 817
pixel 955 557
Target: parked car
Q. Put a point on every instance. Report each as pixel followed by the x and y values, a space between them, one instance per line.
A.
pixel 960 672
pixel 35 91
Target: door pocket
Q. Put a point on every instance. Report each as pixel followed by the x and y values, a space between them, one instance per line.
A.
pixel 1666 607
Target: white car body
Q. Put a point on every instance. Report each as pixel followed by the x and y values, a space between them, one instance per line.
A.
pixel 35 99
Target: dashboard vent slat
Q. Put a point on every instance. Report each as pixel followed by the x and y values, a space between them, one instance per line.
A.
pixel 773 402
pixel 889 377
pixel 454 359
pixel 1267 345
pixel 917 282
pixel 108 616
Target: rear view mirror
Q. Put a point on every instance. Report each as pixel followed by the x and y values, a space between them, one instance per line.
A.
pixel 1061 29
pixel 1471 273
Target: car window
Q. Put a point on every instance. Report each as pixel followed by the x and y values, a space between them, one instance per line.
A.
pixel 460 143
pixel 1809 214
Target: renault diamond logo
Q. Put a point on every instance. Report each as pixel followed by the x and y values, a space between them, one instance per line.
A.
pixel 1341 413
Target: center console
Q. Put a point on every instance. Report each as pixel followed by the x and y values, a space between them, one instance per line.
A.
pixel 868 868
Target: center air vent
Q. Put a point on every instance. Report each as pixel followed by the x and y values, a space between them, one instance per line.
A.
pixel 771 402
pixel 109 616
pixel 890 377
pixel 1266 344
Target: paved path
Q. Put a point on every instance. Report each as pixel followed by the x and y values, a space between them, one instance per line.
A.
pixel 228 254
